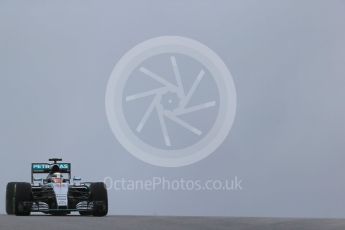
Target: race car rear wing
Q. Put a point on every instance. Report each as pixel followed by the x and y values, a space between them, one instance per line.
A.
pixel 37 168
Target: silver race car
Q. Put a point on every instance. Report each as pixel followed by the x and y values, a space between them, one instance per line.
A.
pixel 56 193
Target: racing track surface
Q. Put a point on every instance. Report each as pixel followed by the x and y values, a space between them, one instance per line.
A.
pixel 166 223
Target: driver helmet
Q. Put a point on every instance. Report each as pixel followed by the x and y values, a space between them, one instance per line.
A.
pixel 57 177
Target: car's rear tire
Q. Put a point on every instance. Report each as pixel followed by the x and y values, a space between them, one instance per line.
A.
pixel 99 197
pixel 18 198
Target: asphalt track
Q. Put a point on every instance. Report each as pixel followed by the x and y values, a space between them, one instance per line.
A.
pixel 166 223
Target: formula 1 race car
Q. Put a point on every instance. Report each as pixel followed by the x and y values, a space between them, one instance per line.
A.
pixel 56 193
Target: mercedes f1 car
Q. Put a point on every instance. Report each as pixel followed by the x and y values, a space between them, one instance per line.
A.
pixel 56 193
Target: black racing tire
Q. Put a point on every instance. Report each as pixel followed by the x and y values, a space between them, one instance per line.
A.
pixel 99 197
pixel 20 198
pixel 10 198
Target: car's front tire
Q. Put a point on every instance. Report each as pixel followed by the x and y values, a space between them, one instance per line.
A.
pixel 18 198
pixel 9 198
pixel 99 197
